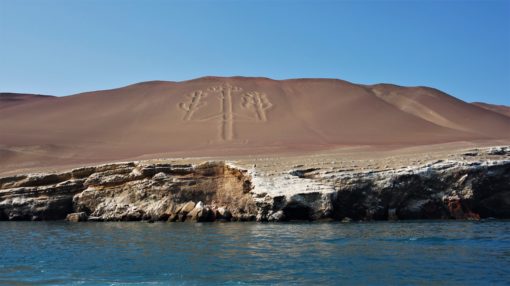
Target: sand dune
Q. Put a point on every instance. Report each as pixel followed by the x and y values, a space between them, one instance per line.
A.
pixel 502 109
pixel 214 116
pixel 11 99
pixel 442 109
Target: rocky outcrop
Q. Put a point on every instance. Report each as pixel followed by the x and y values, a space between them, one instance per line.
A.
pixel 130 191
pixel 77 217
pixel 219 191
pixel 439 190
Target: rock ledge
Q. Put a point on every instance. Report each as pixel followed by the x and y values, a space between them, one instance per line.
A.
pixel 222 191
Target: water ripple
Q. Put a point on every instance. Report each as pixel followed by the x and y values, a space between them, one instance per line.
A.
pixel 403 253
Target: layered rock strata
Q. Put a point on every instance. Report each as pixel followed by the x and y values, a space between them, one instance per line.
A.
pixel 221 191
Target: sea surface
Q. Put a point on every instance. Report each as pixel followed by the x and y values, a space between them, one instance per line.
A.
pixel 375 253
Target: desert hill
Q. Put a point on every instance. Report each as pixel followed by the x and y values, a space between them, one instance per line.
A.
pixel 442 109
pixel 9 99
pixel 502 109
pixel 215 116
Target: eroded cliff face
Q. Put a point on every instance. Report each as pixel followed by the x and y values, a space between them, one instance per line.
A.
pixel 211 191
pixel 442 190
pixel 130 191
pixel 163 191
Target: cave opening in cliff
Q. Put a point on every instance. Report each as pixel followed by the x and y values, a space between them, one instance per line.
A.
pixel 297 211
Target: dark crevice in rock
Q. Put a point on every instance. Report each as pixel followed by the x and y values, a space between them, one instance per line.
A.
pixel 297 211
pixel 304 173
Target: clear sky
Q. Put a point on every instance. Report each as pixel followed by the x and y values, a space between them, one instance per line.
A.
pixel 65 47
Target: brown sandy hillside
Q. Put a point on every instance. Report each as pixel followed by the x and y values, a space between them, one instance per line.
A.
pixel 229 116
pixel 502 109
pixel 10 99
pixel 442 109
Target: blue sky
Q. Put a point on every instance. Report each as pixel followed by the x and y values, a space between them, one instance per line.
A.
pixel 65 47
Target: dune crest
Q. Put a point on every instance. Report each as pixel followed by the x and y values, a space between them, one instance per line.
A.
pixel 502 109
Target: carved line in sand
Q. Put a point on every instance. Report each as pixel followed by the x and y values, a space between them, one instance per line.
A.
pixel 193 105
pixel 259 102
pixel 252 100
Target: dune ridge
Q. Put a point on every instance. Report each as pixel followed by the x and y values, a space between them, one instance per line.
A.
pixel 501 109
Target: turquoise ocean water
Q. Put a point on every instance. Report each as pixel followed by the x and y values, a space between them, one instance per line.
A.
pixel 375 253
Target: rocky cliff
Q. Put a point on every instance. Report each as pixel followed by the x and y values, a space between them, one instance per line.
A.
pixel 471 188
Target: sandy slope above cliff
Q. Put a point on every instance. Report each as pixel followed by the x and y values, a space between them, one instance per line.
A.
pixel 215 116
